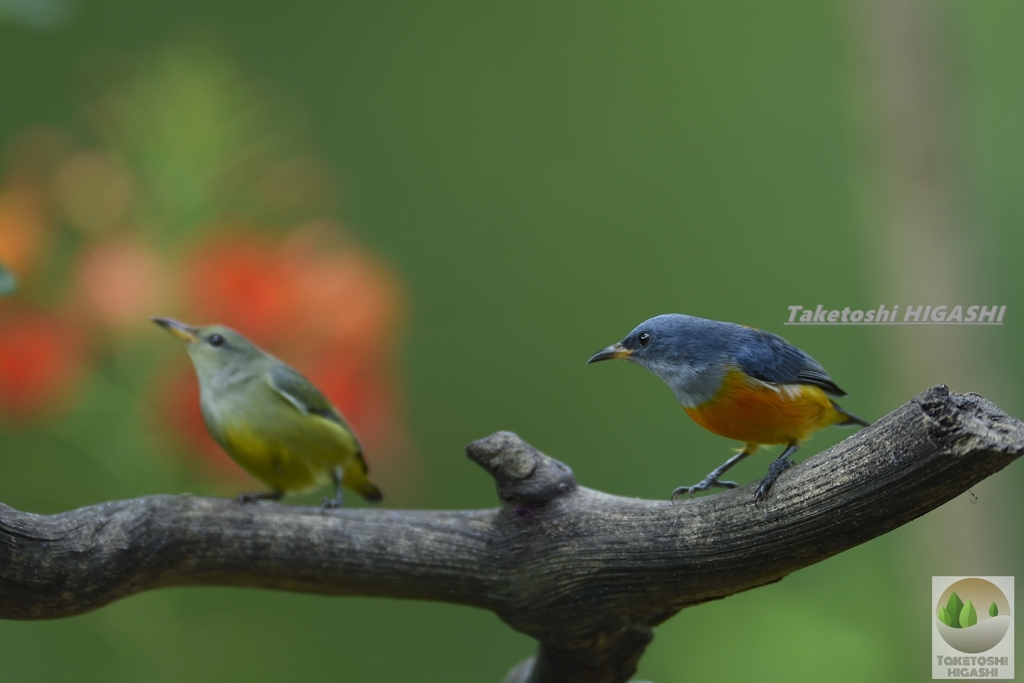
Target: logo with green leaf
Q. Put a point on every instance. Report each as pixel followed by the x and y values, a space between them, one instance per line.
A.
pixel 958 619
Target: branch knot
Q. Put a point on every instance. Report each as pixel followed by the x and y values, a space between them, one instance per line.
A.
pixel 524 475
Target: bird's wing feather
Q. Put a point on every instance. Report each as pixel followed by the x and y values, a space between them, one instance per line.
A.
pixel 301 393
pixel 771 358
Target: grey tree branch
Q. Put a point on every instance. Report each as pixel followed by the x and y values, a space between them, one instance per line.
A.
pixel 585 573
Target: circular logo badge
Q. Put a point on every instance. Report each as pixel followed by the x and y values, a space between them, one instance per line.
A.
pixel 972 615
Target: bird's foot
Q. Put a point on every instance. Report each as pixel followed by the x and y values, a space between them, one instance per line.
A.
pixel 708 483
pixel 774 470
pixel 337 475
pixel 778 466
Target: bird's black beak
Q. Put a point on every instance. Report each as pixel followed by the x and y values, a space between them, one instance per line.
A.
pixel 185 333
pixel 614 351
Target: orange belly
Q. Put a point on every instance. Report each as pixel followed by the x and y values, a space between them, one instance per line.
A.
pixel 756 413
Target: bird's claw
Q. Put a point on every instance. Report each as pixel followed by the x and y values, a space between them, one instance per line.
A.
pixel 774 470
pixel 331 503
pixel 702 486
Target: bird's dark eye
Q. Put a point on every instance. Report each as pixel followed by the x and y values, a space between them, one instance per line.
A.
pixel 644 339
pixel 216 340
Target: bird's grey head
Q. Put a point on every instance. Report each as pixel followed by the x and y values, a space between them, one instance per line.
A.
pixel 682 350
pixel 219 354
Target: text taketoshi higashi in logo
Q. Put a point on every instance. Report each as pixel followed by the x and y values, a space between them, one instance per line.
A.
pixel 972 627
pixel 896 315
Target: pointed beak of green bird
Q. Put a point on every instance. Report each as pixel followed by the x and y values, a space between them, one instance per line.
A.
pixel 615 351
pixel 185 333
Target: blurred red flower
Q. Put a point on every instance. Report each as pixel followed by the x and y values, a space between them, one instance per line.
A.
pixel 242 281
pixel 120 282
pixel 40 360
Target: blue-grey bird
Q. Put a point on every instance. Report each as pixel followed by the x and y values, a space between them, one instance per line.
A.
pixel 738 382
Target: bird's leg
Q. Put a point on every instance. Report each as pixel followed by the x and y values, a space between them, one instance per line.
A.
pixel 336 476
pixel 778 466
pixel 712 479
pixel 273 494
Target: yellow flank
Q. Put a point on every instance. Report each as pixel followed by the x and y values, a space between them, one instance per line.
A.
pixel 295 456
pixel 746 409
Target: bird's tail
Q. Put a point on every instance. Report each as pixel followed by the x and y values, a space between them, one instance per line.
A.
pixel 368 490
pixel 360 483
pixel 847 419
pixel 356 479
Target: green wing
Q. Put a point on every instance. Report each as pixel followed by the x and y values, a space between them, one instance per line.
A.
pixel 301 393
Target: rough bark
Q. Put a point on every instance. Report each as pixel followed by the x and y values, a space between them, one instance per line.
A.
pixel 586 573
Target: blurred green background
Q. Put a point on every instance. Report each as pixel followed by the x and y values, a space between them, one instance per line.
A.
pixel 515 186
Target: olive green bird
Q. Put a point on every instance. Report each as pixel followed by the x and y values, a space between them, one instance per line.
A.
pixel 271 419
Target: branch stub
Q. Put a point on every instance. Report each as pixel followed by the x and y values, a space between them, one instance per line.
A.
pixel 523 474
